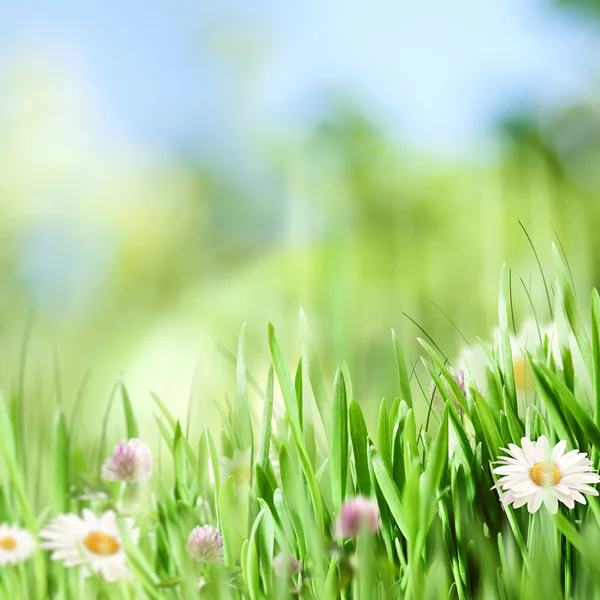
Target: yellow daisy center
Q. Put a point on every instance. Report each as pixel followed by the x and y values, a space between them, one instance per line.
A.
pixel 522 373
pixel 545 473
pixel 101 543
pixel 241 475
pixel 8 543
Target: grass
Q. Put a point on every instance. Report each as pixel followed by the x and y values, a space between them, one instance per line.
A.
pixel 443 532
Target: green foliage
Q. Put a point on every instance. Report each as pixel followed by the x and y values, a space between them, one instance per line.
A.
pixel 443 531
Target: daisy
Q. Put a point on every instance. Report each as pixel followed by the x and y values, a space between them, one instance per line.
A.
pixel 16 545
pixel 537 473
pixel 473 361
pixel 238 467
pixel 131 461
pixel 92 541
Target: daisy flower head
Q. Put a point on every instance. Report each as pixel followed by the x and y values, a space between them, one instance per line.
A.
pixel 16 545
pixel 205 544
pixel 529 338
pixel 355 516
pixel 537 473
pixel 91 541
pixel 238 467
pixel 472 360
pixel 131 461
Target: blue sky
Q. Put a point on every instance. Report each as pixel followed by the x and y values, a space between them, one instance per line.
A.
pixel 201 75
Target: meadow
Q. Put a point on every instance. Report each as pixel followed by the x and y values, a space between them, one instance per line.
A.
pixel 487 493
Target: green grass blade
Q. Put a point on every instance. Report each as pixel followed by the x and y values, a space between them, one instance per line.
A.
pixel 131 425
pixel 403 379
pixel 265 438
pixel 61 480
pixel 360 442
pixel 569 304
pixel 596 354
pixel 315 374
pixel 389 490
pixel 339 441
pixel 384 442
pixel 228 516
pixel 289 397
pixel 506 357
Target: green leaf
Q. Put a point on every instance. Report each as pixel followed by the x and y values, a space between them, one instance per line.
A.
pixel 138 563
pixel 164 410
pixel 286 384
pixel 552 404
pixel 228 515
pixel 384 442
pixel 201 479
pixel 214 461
pixel 445 373
pixel 569 303
pixel 339 441
pixel 596 353
pixel 411 452
pixel 266 543
pixel 252 560
pixel 506 358
pixel 265 487
pixel 437 465
pixel 397 454
pixel 61 480
pixel 168 437
pixel 292 493
pixel 579 418
pixel 570 532
pixel 130 422
pixel 488 425
pixel 265 438
pixel 315 375
pixel 181 487
pixel 347 381
pixel 459 430
pixel 299 393
pixel 240 409
pixel 289 397
pixel 358 433
pixel 515 426
pixel 8 451
pixel 389 490
pixel 403 379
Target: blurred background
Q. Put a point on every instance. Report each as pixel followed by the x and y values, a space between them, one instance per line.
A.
pixel 169 170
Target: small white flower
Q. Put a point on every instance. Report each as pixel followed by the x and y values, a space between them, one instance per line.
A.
pixel 238 467
pixel 92 541
pixel 16 545
pixel 537 473
pixel 131 461
pixel 473 361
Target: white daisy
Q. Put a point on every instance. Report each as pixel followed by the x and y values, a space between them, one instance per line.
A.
pixel 473 360
pixel 537 473
pixel 238 467
pixel 92 541
pixel 16 545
